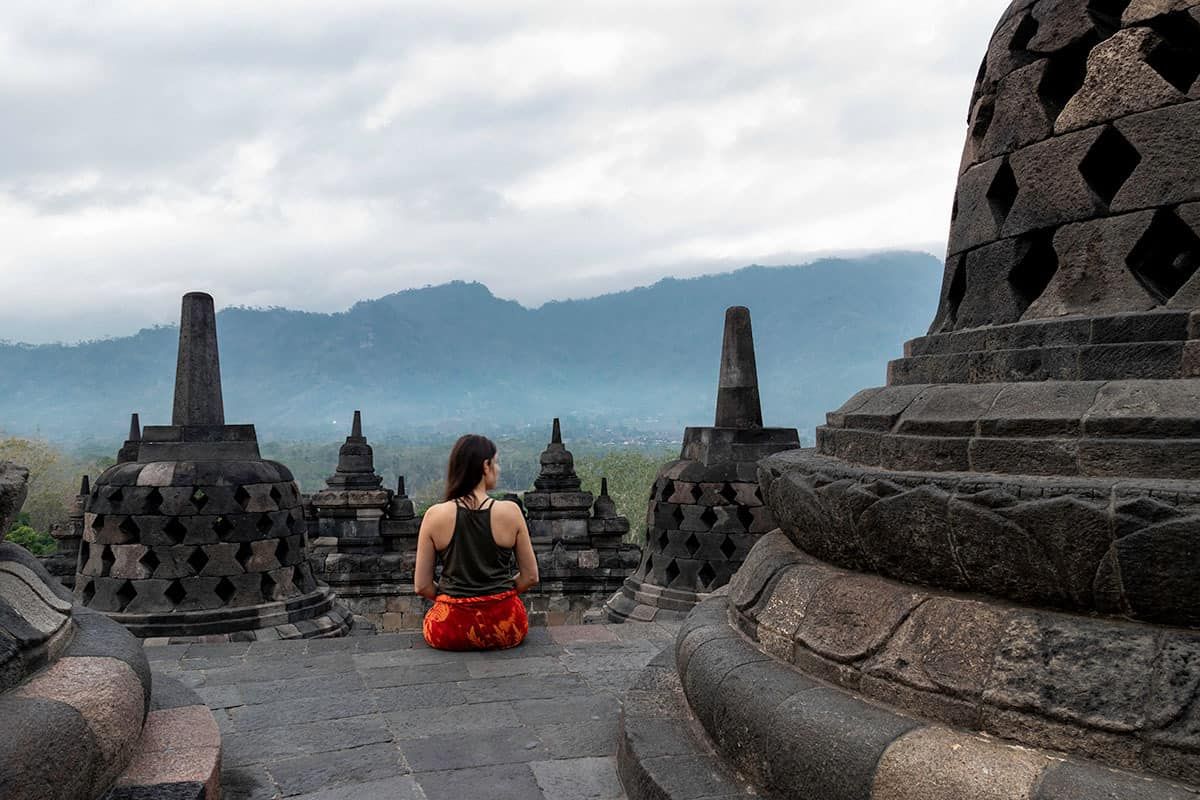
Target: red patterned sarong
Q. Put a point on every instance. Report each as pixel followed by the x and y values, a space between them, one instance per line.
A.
pixel 491 622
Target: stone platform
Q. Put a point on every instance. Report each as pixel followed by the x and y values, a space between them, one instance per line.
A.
pixel 386 717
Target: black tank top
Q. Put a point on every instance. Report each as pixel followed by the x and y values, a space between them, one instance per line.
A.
pixel 472 563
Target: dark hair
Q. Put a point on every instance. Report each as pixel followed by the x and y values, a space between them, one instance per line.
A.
pixel 465 470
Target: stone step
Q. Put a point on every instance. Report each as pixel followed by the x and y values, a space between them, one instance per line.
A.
pixel 662 750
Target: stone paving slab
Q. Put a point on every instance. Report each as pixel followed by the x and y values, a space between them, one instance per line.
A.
pixel 385 717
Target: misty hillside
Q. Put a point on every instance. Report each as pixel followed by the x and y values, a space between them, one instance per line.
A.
pixel 455 356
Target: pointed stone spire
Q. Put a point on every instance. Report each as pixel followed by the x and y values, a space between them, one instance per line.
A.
pixel 604 507
pixel 738 404
pixel 129 451
pixel 85 486
pixel 558 466
pixel 356 462
pixel 400 491
pixel 198 398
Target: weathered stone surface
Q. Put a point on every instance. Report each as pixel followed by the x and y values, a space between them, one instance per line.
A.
pixel 853 616
pixel 938 764
pixel 13 488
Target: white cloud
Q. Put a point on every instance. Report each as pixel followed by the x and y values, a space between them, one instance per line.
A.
pixel 314 153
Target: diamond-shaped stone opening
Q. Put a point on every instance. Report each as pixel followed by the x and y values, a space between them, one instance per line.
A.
pixel 1002 193
pixel 89 593
pixel 175 531
pixel 116 495
pixel 198 560
pixel 300 578
pixel 154 501
pixel 671 572
pixel 293 523
pixel 1108 164
pixel 664 540
pixel 692 544
pixel 1106 16
pixel 984 112
pixel 708 517
pixel 199 499
pixel 697 493
pixel 677 515
pixel 1023 35
pixel 269 586
pixel 729 492
pixel 668 489
pixel 129 527
pixel 1176 55
pixel 1063 77
pixel 125 595
pixel 150 561
pixel 264 524
pixel 276 495
pixel 1035 268
pixel 745 516
pixel 244 553
pixel 225 590
pixel 707 575
pixel 281 551
pixel 223 526
pixel 758 494
pixel 107 559
pixel 1166 256
pixel 85 554
pixel 98 522
pixel 728 548
pixel 241 497
pixel 175 593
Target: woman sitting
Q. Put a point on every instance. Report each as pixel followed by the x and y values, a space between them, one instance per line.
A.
pixel 476 605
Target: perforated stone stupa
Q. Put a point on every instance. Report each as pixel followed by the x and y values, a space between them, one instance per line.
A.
pixel 199 535
pixel 986 581
pixel 705 509
pixel 81 716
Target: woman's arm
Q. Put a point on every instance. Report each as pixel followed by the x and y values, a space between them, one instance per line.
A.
pixel 527 576
pixel 423 583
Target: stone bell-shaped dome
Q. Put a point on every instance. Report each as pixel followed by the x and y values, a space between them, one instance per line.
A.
pixel 1078 185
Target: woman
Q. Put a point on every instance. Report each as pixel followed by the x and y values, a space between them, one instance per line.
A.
pixel 476 605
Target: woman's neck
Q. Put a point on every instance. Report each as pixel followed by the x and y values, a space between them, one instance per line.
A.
pixel 477 497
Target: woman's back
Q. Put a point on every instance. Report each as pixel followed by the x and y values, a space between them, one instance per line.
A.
pixel 473 562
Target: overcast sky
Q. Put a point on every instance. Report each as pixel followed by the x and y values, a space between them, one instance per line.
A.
pixel 310 154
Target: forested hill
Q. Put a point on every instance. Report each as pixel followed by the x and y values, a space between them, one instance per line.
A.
pixel 455 356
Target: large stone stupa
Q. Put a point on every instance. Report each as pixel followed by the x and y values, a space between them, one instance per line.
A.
pixel 986 581
pixel 199 536
pixel 705 510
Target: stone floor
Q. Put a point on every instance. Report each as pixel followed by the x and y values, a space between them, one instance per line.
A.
pixel 386 717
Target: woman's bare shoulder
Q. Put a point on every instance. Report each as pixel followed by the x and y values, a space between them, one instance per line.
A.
pixel 439 511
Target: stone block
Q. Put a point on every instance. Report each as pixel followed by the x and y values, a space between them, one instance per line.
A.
pixel 1168 142
pixel 1071 780
pixel 950 410
pixel 976 221
pixel 853 616
pixel 1017 122
pixel 1039 409
pixel 1092 277
pixel 1142 458
pixel 837 419
pixel 1072 670
pixel 1143 360
pixel 906 536
pixel 945 646
pixel 1052 190
pixel 1158 573
pixel 940 453
pixel 127 562
pixel 1025 456
pixel 1030 364
pixel 1146 408
pixel 855 446
pixel 1119 82
pixel 936 763
pixel 882 410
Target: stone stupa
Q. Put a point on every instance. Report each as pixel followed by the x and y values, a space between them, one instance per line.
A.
pixel 986 582
pixel 705 509
pixel 198 535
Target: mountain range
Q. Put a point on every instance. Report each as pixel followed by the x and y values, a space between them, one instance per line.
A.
pixel 454 356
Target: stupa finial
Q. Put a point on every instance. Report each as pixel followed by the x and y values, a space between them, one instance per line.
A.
pixel 135 428
pixel 356 428
pixel 556 434
pixel 198 398
pixel 738 404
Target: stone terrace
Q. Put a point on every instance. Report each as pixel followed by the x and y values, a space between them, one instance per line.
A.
pixel 387 717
